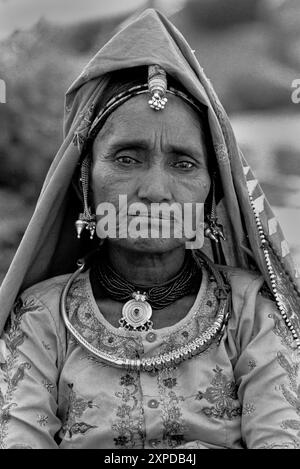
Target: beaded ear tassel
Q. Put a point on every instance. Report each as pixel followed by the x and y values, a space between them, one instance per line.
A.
pixel 280 305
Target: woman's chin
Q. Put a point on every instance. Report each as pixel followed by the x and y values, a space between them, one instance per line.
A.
pixel 149 245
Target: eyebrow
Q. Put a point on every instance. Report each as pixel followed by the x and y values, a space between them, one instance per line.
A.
pixel 141 144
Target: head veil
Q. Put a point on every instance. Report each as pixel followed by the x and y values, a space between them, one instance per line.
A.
pixel 49 246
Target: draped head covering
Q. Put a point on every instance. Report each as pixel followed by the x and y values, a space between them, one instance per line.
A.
pixel 254 237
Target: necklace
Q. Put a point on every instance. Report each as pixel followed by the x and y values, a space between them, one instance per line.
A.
pixel 136 313
pixel 141 299
pixel 168 359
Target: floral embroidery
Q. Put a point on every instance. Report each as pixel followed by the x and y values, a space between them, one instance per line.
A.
pixel 293 444
pixel 221 152
pixel 49 386
pixel 223 394
pixel 252 364
pixel 127 380
pixel 13 372
pixel 291 364
pixel 77 406
pixel 282 331
pixel 290 392
pixel 122 440
pixel 190 330
pixel 292 424
pixel 42 420
pixel 292 369
pixel 3 351
pixel 87 324
pixel 46 346
pixel 248 408
pixel 123 344
pixel 129 425
pixel 174 426
pixel 170 382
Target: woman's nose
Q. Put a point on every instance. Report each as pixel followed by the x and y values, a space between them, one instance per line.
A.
pixel 154 186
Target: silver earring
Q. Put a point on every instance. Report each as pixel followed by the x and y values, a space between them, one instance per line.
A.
pixel 212 229
pixel 86 220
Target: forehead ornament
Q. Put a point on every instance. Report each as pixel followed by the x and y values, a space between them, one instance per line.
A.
pixel 157 85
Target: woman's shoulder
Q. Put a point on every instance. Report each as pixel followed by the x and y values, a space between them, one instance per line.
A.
pixel 242 281
pixel 47 288
pixel 36 317
pixel 46 294
pixel 247 293
pixel 252 308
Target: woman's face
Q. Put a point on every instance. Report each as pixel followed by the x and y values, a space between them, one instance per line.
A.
pixel 151 157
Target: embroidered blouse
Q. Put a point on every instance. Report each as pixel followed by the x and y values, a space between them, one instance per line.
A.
pixel 241 393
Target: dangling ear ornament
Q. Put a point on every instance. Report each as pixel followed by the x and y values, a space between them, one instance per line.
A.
pixel 213 230
pixel 86 220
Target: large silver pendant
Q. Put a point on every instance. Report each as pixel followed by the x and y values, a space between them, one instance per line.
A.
pixel 136 313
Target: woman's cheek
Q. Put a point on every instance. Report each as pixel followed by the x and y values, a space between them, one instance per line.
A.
pixel 108 188
pixel 194 190
pixel 103 186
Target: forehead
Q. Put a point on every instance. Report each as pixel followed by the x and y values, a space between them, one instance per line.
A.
pixel 135 119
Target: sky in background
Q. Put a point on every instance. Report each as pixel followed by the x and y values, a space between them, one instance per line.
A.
pixel 21 14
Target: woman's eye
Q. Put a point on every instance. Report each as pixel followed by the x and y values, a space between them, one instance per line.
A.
pixel 184 165
pixel 126 160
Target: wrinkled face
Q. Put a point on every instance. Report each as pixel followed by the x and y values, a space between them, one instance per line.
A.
pixel 151 158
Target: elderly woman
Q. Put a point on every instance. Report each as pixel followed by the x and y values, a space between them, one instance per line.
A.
pixel 153 341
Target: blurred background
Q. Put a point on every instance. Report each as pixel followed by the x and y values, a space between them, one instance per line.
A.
pixel 249 49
